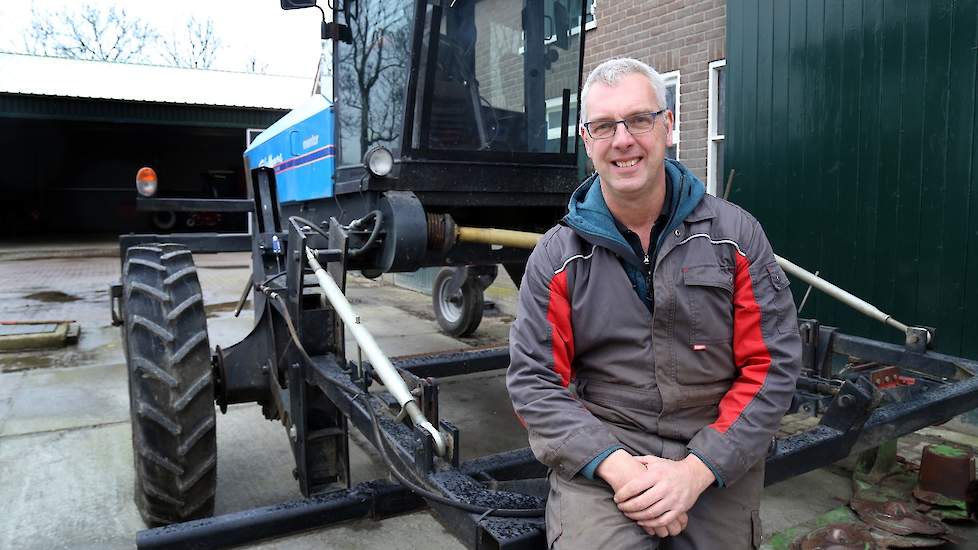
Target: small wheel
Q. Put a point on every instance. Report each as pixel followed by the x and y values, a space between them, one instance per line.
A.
pixel 164 220
pixel 171 386
pixel 458 313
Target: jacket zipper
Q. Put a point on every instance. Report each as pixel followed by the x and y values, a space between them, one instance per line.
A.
pixel 648 276
pixel 662 237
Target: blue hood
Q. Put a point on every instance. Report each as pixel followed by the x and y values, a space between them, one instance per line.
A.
pixel 588 214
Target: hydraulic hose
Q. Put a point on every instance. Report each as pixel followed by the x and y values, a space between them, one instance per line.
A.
pixel 378 217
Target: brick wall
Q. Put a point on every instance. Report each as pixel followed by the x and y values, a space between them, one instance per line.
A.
pixel 670 35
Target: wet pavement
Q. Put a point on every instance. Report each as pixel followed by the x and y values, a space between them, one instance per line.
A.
pixel 66 467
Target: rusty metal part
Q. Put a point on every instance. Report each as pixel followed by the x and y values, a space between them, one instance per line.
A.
pixel 890 377
pixel 441 232
pixel 885 539
pixel 944 471
pixel 838 536
pixel 897 517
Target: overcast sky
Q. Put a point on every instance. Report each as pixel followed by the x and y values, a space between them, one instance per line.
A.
pixel 286 41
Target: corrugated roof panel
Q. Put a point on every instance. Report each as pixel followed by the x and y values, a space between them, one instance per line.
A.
pixel 137 112
pixel 53 76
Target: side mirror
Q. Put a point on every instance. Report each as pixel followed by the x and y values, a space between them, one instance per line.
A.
pixel 561 26
pixel 297 4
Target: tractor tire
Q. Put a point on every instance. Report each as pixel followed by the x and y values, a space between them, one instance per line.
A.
pixel 458 314
pixel 171 386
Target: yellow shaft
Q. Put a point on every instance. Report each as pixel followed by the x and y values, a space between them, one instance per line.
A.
pixel 502 237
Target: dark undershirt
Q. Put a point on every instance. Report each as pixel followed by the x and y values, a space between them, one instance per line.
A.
pixel 635 242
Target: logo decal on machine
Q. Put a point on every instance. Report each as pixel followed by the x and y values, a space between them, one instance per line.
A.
pixel 328 151
pixel 310 141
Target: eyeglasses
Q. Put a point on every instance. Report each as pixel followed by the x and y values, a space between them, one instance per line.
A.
pixel 635 124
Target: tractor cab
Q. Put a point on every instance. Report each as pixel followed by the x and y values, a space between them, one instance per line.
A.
pixel 462 112
pixel 488 83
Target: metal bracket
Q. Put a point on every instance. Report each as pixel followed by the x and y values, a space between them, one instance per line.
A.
pixel 852 406
pixel 809 343
pixel 451 430
pixel 459 275
pixel 115 304
pixel 816 347
pixel 336 31
pixel 424 452
pixel 429 399
pixel 361 374
pixel 919 339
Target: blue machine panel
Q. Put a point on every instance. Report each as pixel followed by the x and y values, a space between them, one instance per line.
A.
pixel 301 150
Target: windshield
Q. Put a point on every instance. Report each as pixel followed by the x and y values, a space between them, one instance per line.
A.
pixel 503 76
pixel 371 76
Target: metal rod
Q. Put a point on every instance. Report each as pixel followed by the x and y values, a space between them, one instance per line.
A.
pixel 503 237
pixel 856 303
pixel 524 239
pixel 378 359
pixel 726 190
pixel 808 291
pixel 244 295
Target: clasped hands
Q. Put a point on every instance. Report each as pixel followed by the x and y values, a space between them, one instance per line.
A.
pixel 655 492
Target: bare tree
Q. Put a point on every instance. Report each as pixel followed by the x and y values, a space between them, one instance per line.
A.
pixel 197 49
pixel 90 33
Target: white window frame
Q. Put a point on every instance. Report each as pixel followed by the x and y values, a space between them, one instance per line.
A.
pixel 587 26
pixel 593 23
pixel 555 104
pixel 715 139
pixel 673 78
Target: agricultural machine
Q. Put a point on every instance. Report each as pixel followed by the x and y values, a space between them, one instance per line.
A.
pixel 449 142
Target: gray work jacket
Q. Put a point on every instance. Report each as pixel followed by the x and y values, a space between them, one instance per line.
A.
pixel 710 371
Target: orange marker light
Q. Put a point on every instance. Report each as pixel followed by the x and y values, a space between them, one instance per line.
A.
pixel 146 181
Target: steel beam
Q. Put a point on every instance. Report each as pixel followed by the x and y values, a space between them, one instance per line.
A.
pixel 454 363
pixel 196 242
pixel 823 445
pixel 194 205
pixel 372 499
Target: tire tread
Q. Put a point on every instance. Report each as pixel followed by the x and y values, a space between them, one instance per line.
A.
pixel 171 385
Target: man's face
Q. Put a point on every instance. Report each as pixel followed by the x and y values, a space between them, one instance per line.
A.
pixel 629 165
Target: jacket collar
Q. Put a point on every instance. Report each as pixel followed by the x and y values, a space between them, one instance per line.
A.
pixel 703 211
pixel 588 214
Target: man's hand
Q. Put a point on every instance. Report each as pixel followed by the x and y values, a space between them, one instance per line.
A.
pixel 621 469
pixel 661 497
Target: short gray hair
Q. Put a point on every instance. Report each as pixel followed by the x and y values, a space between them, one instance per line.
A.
pixel 612 71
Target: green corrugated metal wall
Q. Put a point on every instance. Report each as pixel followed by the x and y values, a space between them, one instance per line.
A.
pixel 852 129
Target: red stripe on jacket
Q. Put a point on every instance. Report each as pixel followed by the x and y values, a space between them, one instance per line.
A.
pixel 559 317
pixel 750 352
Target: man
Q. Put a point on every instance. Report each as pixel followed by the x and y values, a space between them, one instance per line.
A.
pixel 667 310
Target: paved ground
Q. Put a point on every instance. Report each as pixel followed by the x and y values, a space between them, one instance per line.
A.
pixel 66 471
